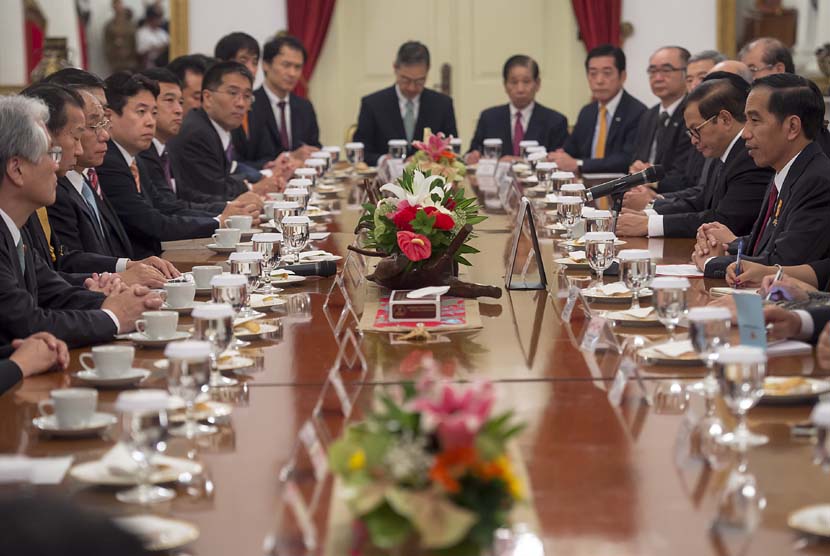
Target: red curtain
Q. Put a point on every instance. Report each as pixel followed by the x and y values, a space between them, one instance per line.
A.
pixel 308 20
pixel 599 21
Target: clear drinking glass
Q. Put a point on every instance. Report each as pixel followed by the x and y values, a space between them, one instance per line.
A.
pixel 397 148
pixel 492 149
pixel 544 170
pixel 636 272
pixel 318 165
pixel 558 179
pixel 299 195
pixel 307 173
pixel 188 376
pixel 213 323
pixel 247 264
pixel 536 155
pixel 598 221
pixel 569 211
pixel 145 427
pixel 599 250
pixel 295 234
pixel 325 156
pixel 354 153
pixel 709 332
pixel 742 502
pixel 670 301
pixel 455 143
pixel 741 371
pixel 283 209
pixel 334 152
pixel 270 245
pixel 524 145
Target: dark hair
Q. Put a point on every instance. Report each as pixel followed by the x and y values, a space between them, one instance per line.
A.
pixel 56 97
pixel 162 75
pixel 793 95
pixel 721 91
pixel 273 47
pixel 75 78
pixel 523 61
pixel 775 52
pixel 195 63
pixel 684 53
pixel 607 50
pixel 123 85
pixel 411 53
pixel 217 72
pixel 229 45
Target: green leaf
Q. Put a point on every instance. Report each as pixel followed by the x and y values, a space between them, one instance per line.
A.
pixel 386 528
pixel 439 522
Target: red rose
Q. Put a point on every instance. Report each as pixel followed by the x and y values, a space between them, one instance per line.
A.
pixel 449 203
pixel 416 247
pixel 404 216
pixel 442 221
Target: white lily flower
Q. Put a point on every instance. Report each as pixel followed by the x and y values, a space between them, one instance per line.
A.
pixel 421 190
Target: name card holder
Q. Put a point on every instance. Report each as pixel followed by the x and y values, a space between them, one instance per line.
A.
pixel 627 371
pixel 574 296
pixel 294 508
pixel 599 335
pixel 486 168
pixel 395 167
pixel 335 405
pixel 349 278
pixel 525 221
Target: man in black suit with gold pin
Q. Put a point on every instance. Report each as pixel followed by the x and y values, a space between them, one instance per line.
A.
pixel 521 119
pixel 784 114
pixel 403 110
pixel 604 136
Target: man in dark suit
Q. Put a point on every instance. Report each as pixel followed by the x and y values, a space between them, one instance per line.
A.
pixel 279 120
pixel 735 186
pixel 523 118
pixel 661 137
pixel 132 104
pixel 599 145
pixel 82 217
pixel 405 109
pixel 202 153
pixel 190 69
pixel 36 354
pixel 784 115
pixel 34 297
pixel 156 159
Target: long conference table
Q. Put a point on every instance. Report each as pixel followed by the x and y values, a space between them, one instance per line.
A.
pixel 603 479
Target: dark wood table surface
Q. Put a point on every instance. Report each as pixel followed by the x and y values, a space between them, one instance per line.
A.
pixel 603 479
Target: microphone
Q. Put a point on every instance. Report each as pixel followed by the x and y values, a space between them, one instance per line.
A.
pixel 317 268
pixel 623 184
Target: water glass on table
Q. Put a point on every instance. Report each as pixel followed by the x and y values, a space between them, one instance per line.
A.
pixel 670 301
pixel 354 153
pixel 270 245
pixel 213 323
pixel 397 148
pixel 524 145
pixel 295 234
pixel 599 250
pixel 492 148
pixel 569 212
pixel 741 371
pixel 709 332
pixel 636 271
pixel 188 376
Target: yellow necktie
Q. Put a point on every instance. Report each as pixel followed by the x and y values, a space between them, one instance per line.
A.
pixel 47 230
pixel 599 151
pixel 136 177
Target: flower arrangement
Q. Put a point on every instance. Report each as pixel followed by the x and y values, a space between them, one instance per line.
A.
pixel 435 155
pixel 430 469
pixel 421 218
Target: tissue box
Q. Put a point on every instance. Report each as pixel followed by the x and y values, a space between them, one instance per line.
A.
pixel 403 309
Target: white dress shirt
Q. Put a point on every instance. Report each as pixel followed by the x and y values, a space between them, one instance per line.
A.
pixel 610 109
pixel 225 138
pixel 160 148
pixel 402 100
pixel 655 221
pixel 77 180
pixel 15 233
pixel 526 113
pixel 275 100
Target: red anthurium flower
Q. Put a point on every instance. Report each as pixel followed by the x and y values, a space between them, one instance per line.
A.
pixel 450 203
pixel 404 216
pixel 416 247
pixel 442 221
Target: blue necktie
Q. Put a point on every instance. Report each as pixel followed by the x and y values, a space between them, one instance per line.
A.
pixel 89 197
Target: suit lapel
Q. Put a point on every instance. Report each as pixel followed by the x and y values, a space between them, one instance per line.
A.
pixel 616 120
pixel 268 115
pixel 296 122
pixel 29 278
pixel 393 110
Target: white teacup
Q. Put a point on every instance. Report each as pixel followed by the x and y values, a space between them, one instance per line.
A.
pixel 108 361
pixel 73 407
pixel 158 325
pixel 244 246
pixel 203 274
pixel 239 221
pixel 228 237
pixel 275 196
pixel 180 294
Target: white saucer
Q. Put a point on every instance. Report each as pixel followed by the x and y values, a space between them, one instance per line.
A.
pixel 100 421
pixel 231 363
pixel 167 470
pixel 289 279
pixel 157 533
pixel 141 340
pixel 201 411
pixel 221 249
pixel 314 212
pixel 245 334
pixel 184 310
pixel 318 236
pixel 133 376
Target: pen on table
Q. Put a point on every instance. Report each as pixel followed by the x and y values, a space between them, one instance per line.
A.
pixel 778 275
pixel 738 262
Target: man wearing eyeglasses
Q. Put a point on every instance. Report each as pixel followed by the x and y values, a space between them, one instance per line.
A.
pixel 405 109
pixel 734 186
pixel 767 56
pixel 660 137
pixel 202 154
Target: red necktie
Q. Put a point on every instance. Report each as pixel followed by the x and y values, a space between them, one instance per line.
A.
pixel 518 134
pixel 93 181
pixel 773 196
pixel 283 129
